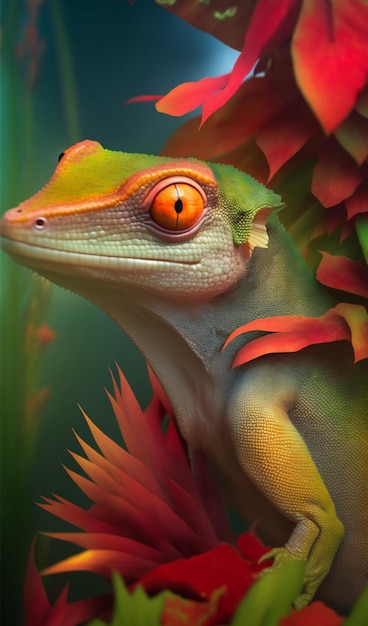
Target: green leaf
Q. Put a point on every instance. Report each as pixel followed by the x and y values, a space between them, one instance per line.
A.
pixel 359 612
pixel 135 608
pixel 272 596
pixel 361 228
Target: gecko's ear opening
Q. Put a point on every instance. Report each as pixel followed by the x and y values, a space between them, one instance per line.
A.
pixel 258 236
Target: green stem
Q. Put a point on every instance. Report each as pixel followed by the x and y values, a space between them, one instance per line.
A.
pixel 66 70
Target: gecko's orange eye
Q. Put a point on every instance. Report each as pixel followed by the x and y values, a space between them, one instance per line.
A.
pixel 178 206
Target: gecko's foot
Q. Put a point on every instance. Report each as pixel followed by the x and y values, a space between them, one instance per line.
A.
pixel 281 556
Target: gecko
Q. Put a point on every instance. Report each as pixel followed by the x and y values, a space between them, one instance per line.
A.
pixel 180 253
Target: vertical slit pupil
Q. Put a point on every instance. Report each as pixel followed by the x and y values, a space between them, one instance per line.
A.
pixel 178 206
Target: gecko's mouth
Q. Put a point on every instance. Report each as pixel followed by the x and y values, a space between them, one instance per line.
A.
pixel 38 257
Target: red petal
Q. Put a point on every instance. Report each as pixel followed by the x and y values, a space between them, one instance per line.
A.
pixel 342 273
pixel 251 548
pixel 330 55
pixel 336 176
pixel 316 614
pixel 199 576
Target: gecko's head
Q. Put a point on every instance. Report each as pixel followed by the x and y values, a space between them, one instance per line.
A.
pixel 113 220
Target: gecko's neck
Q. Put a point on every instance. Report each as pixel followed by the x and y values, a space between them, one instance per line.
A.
pixel 183 345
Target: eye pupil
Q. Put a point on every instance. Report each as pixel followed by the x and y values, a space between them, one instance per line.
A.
pixel 178 206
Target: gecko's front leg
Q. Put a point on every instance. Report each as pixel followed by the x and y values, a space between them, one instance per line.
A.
pixel 275 457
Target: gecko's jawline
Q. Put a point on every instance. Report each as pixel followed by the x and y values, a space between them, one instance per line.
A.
pixel 32 255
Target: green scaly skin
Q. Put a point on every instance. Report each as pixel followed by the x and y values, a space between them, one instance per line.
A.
pixel 286 434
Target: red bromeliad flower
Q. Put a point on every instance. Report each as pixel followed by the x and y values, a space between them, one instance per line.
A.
pixel 148 508
pixel 298 124
pixel 159 526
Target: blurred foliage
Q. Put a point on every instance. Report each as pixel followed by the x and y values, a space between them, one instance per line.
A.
pixel 24 301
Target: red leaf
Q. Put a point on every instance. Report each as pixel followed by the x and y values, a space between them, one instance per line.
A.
pixel 336 176
pixel 146 505
pixel 75 515
pixel 149 98
pixel 241 117
pixel 316 614
pixel 103 562
pixel 352 134
pixel 108 541
pixel 36 604
pixel 358 202
pixel 356 317
pixel 291 333
pixel 188 96
pixel 39 612
pixel 342 273
pixel 198 577
pixel 76 613
pixel 213 505
pixel 330 53
pixel 251 548
pixel 285 134
pixel 271 23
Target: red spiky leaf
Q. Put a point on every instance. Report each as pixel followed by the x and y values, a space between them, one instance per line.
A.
pixel 291 333
pixel 146 506
pixel 39 612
